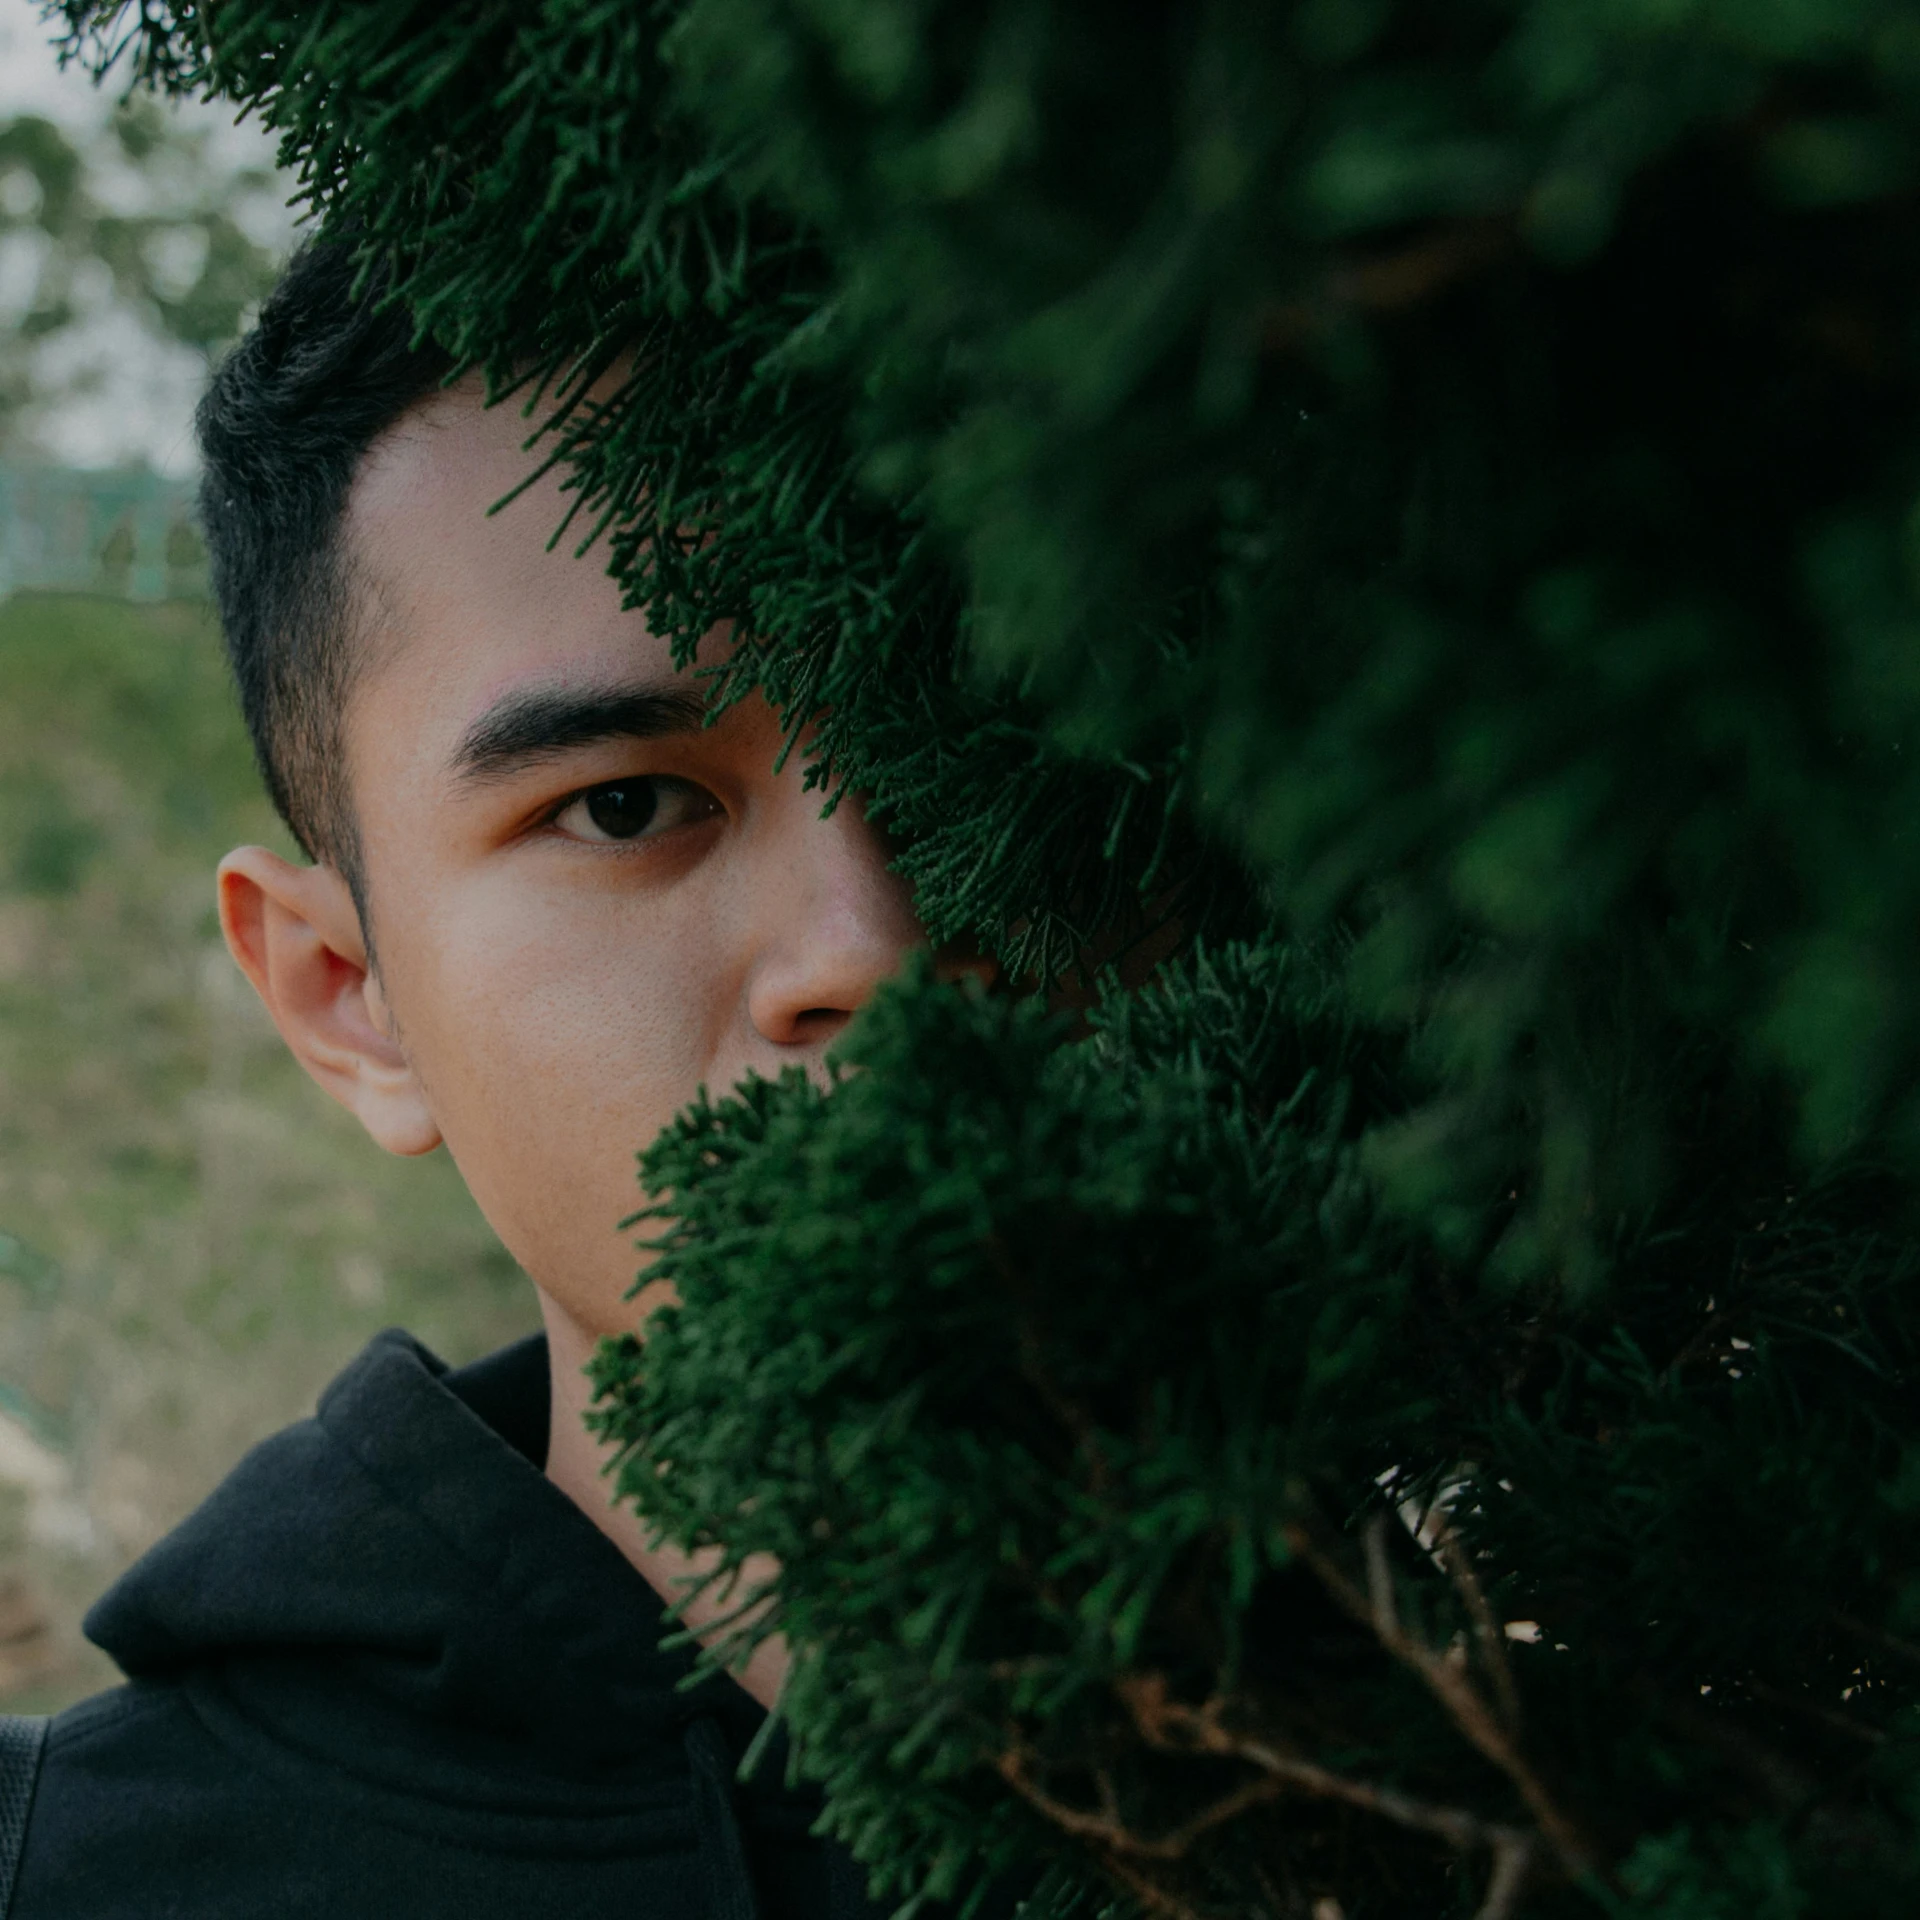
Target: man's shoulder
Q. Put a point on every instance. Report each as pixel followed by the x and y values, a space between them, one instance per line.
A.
pixel 118 1711
pixel 141 1736
pixel 118 1778
pixel 153 1800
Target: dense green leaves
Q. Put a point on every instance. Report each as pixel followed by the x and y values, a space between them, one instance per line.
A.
pixel 1097 1414
pixel 1475 392
pixel 921 1388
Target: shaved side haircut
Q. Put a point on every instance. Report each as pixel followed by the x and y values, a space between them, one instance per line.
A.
pixel 282 430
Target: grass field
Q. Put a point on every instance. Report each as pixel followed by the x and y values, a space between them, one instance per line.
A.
pixel 192 1237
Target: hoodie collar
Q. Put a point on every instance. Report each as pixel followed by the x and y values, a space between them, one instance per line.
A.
pixel 400 1561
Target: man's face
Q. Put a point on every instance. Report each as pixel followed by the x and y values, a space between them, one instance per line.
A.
pixel 586 905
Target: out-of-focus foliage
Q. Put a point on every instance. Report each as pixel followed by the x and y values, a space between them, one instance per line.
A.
pixel 1456 465
pixel 1462 449
pixel 135 224
pixel 1512 406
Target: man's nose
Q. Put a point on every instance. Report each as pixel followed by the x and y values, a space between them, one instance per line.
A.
pixel 836 923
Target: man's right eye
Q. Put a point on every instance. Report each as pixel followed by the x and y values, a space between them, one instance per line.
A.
pixel 640 808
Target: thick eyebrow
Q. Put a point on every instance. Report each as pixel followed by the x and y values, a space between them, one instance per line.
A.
pixel 540 723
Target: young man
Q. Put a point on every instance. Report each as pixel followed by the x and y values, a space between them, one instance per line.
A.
pixel 405 1660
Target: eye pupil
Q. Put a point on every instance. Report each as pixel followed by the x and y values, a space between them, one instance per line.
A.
pixel 624 808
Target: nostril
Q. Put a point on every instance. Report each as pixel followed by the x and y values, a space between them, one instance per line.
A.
pixel 818 1023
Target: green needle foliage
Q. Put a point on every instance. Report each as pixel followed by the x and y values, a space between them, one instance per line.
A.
pixel 1143 1488
pixel 1414 1409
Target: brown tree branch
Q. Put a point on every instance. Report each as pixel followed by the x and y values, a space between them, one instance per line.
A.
pixel 1168 1725
pixel 1149 1892
pixel 1376 1610
pixel 1886 1642
pixel 1071 1415
pixel 1108 1830
pixel 1829 1717
pixel 1457 1563
pixel 1512 1867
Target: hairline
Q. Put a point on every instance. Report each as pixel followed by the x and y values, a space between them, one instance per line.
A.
pixel 351 590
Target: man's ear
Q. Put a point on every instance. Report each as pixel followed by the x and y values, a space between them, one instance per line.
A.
pixel 296 935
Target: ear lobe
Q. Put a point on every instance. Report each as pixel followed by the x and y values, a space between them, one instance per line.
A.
pixel 295 933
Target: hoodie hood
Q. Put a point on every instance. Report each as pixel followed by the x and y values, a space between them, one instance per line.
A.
pixel 395 1585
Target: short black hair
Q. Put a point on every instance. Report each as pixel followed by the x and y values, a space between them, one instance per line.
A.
pixel 291 411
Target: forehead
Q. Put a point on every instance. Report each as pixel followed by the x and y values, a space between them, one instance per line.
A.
pixel 456 604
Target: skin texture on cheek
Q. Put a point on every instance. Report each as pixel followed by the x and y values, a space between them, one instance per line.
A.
pixel 557 1019
pixel 546 1071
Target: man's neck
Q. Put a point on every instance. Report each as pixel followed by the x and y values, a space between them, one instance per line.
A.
pixel 576 1464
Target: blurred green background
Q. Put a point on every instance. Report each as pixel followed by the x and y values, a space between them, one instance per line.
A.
pixel 192 1237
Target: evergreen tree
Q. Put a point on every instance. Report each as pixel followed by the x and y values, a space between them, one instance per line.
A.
pixel 1405 514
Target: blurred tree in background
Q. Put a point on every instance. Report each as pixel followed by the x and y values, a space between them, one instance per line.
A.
pixel 1405 513
pixel 131 228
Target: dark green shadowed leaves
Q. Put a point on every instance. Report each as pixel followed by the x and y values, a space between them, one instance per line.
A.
pixel 1145 1493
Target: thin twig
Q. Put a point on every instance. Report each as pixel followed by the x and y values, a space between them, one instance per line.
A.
pixel 1514 1850
pixel 1388 282
pixel 1513 1859
pixel 1450 1687
pixel 1169 1726
pixel 1791 1787
pixel 1064 1408
pixel 1458 1565
pixel 1110 1831
pixel 1382 1606
pixel 1148 1891
pixel 1698 1344
pixel 1822 1716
